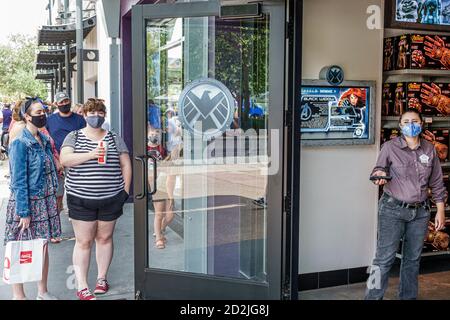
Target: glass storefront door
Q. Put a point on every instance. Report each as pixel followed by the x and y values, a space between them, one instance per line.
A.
pixel 208 145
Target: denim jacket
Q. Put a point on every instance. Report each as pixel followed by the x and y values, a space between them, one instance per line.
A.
pixel 27 166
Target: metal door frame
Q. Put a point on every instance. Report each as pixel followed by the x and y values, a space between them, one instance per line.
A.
pixel 292 146
pixel 198 286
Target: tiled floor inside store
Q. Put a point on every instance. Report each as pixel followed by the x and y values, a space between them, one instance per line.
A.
pixel 434 284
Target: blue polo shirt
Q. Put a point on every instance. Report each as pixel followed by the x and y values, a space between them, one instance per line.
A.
pixel 59 127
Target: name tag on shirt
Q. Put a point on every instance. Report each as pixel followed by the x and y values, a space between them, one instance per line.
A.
pixel 424 159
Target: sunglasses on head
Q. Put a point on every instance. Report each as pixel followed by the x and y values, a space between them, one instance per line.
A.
pixel 28 102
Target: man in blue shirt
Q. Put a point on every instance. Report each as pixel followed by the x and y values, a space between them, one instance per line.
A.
pixel 6 121
pixel 7 116
pixel 59 125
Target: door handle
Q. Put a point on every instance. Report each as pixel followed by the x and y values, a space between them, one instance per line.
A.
pixel 144 169
pixel 155 172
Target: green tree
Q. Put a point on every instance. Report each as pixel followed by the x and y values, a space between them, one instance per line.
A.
pixel 17 69
pixel 237 56
pixel 241 63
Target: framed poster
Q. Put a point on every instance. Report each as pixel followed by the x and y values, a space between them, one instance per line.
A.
pixel 337 115
pixel 432 15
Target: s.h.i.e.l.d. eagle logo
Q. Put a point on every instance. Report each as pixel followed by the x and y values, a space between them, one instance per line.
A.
pixel 206 107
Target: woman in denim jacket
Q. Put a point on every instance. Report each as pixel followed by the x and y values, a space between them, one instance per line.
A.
pixel 32 204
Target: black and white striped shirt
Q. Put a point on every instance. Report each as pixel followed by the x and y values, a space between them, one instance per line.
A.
pixel 91 180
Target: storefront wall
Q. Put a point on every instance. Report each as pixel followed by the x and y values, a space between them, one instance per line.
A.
pixel 338 214
pixel 338 203
pixel 103 42
pixel 90 69
pixel 125 35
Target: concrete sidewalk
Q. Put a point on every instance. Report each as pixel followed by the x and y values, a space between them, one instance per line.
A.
pixel 61 275
pixel 432 286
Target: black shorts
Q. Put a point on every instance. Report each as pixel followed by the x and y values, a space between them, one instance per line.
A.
pixel 108 209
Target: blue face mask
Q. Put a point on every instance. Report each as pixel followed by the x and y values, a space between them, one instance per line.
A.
pixel 95 121
pixel 411 129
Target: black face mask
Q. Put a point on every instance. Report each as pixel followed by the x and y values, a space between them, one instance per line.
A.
pixel 65 108
pixel 39 121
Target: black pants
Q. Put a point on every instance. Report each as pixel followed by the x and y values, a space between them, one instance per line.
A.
pixel 4 143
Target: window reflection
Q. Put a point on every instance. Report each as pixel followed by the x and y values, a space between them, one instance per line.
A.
pixel 208 214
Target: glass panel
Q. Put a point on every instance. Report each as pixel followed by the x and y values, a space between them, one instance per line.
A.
pixel 207 118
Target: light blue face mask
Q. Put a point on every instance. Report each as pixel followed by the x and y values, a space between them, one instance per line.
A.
pixel 411 129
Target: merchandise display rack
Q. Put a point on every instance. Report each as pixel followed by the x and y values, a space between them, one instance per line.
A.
pixel 431 122
pixel 428 253
pixel 418 72
pixel 391 122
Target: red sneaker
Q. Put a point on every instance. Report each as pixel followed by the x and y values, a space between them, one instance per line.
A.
pixel 85 294
pixel 101 287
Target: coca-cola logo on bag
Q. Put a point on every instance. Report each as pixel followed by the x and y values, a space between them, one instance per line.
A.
pixel 26 257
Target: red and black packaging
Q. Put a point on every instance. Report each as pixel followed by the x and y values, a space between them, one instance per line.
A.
pixel 413 100
pixel 389 54
pixel 399 98
pixel 432 111
pixel 445 88
pixel 442 136
pixel 411 53
pixel 402 47
pixel 382 136
pixel 418 58
pixel 407 95
pixel 387 107
pixel 388 134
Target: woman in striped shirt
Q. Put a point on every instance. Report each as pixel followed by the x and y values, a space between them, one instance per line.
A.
pixel 96 193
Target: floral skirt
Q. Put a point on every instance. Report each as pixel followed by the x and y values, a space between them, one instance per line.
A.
pixel 45 221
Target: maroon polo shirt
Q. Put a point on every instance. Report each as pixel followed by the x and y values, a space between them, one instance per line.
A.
pixel 412 171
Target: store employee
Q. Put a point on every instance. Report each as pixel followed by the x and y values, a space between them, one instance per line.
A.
pixel 404 210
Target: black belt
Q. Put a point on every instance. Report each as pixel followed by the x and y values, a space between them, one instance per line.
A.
pixel 425 204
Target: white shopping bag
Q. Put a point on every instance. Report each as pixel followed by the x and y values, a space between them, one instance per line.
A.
pixel 23 261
